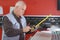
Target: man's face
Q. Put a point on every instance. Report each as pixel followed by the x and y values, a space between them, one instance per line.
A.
pixel 20 10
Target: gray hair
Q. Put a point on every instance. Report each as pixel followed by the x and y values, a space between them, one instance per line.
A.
pixel 19 3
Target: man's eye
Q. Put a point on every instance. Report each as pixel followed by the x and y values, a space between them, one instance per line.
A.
pixel 22 9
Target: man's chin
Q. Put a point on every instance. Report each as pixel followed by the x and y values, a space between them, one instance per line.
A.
pixel 21 15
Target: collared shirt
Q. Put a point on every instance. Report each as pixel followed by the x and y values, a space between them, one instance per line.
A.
pixel 8 32
pixel 17 18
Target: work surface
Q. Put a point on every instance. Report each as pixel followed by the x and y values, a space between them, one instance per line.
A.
pixel 44 35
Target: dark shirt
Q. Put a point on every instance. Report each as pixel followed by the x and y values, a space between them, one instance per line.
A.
pixel 8 27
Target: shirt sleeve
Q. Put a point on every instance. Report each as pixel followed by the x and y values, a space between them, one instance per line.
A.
pixel 8 28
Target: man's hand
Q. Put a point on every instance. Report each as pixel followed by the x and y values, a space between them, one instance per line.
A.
pixel 26 29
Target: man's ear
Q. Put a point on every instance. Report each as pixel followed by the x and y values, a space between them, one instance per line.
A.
pixel 25 6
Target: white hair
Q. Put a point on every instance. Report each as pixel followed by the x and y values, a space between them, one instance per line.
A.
pixel 19 3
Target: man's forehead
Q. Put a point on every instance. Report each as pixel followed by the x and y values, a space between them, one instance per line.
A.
pixel 21 7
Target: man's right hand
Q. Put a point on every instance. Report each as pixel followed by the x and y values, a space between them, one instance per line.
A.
pixel 26 29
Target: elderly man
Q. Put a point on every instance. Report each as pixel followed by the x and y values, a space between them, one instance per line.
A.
pixel 14 27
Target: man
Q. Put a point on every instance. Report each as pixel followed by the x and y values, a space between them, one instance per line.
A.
pixel 14 27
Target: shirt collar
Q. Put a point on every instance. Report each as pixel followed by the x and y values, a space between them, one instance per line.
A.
pixel 15 15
